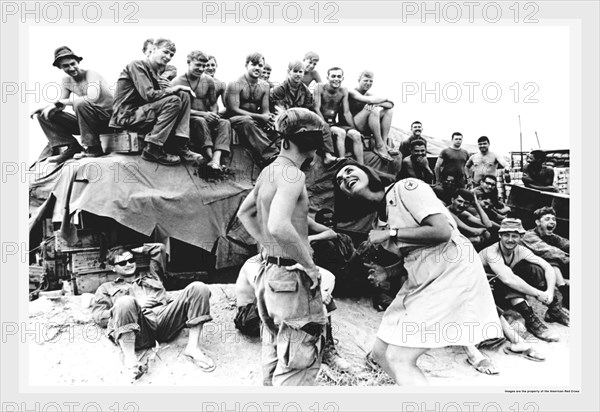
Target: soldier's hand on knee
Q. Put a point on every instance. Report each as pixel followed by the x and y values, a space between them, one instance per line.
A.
pixel 545 297
pixel 46 111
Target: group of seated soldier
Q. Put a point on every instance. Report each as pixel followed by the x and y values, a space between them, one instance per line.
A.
pixel 180 118
pixel 467 184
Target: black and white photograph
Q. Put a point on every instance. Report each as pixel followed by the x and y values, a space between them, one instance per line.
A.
pixel 354 197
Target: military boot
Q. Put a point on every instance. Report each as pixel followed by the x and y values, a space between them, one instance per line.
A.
pixel 534 324
pixel 556 313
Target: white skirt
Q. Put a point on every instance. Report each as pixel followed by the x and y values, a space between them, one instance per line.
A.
pixel 445 301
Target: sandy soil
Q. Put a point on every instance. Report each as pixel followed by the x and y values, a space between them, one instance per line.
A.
pixel 68 349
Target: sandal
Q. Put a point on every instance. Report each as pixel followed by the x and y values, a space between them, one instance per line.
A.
pixel 529 354
pixel 491 344
pixel 485 366
pixel 204 366
pixel 136 371
pixel 371 363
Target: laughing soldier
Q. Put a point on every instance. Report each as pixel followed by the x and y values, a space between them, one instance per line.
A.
pixel 142 105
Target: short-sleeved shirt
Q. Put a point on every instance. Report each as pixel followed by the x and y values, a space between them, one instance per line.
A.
pixel 408 203
pixel 485 165
pixel 454 161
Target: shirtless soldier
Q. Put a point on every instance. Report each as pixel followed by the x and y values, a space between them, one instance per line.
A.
pixel 372 114
pixel 287 288
pixel 220 86
pixel 207 130
pixel 331 102
pixel 310 74
pixel 247 103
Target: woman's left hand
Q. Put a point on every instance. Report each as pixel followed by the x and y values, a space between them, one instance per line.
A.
pixel 377 236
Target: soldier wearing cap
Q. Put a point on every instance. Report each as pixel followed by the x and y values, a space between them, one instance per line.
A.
pixel 517 273
pixel 90 97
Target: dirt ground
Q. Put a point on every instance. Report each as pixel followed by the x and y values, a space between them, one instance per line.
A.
pixel 69 349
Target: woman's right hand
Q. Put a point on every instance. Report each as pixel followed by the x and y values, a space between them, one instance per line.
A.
pixel 377 236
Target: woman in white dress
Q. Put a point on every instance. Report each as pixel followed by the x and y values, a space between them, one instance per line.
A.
pixel 446 299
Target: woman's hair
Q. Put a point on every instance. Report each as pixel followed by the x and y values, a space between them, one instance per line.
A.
pixel 346 208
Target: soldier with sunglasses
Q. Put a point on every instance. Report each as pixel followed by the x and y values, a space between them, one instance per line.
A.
pixel 137 313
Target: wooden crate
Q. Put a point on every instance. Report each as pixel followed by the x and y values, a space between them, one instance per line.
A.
pixel 36 273
pixel 86 261
pixel 86 241
pixel 90 282
pixel 121 142
pixel 55 268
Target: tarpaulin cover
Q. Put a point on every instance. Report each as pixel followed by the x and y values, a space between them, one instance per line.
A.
pixel 147 197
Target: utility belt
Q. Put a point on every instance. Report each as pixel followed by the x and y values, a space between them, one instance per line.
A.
pixel 279 261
